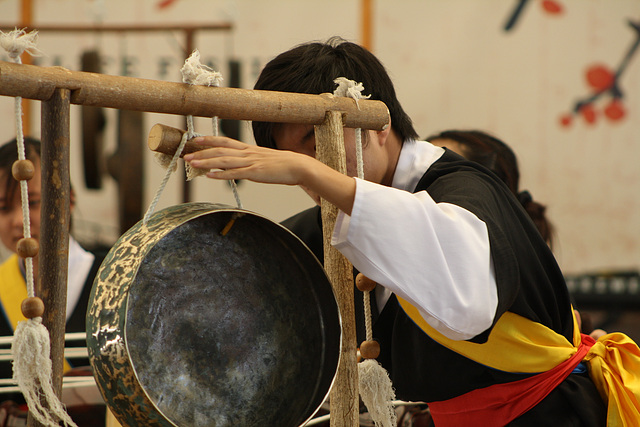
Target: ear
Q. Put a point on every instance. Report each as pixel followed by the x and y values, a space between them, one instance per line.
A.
pixel 383 135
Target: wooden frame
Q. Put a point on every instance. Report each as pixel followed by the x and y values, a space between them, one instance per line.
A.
pixel 57 88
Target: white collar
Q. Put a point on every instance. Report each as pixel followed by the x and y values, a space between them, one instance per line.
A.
pixel 80 263
pixel 414 160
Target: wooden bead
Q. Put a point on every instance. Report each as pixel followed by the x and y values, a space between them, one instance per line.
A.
pixel 28 247
pixel 23 170
pixel 32 307
pixel 370 349
pixel 364 283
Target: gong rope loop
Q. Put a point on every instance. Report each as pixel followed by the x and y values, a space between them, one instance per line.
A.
pixel 194 73
pixel 32 364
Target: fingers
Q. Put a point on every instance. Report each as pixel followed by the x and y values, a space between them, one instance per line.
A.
pixel 219 158
pixel 222 153
pixel 219 141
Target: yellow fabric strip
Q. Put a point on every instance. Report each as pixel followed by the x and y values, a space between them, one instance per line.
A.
pixel 517 344
pixel 614 367
pixel 13 290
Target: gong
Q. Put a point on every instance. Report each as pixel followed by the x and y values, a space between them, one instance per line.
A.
pixel 212 315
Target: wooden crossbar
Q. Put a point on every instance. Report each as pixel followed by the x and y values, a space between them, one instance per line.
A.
pixel 130 93
pixel 58 87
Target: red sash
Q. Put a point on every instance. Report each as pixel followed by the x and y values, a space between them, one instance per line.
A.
pixel 499 404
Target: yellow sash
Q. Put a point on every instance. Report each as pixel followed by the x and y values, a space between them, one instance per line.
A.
pixel 517 344
pixel 13 290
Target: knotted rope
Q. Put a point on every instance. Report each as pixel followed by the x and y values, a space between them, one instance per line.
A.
pixel 376 389
pixel 31 345
pixel 194 73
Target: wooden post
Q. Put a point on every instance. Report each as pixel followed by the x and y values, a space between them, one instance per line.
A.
pixel 186 184
pixel 54 229
pixel 366 24
pixel 344 394
pixel 26 21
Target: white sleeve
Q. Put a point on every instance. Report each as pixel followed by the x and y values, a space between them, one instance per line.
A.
pixel 434 255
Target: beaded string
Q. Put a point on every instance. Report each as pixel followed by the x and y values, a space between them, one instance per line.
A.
pixel 31 346
pixel 375 385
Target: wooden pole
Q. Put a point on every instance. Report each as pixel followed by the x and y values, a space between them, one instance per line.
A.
pixel 366 24
pixel 130 93
pixel 344 393
pixel 189 46
pixel 26 19
pixel 54 229
pixel 59 88
pixel 121 28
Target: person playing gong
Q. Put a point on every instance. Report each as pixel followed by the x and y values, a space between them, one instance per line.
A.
pixel 474 315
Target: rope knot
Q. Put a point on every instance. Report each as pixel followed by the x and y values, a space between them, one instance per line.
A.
pixel 195 73
pixel 17 42
pixel 350 89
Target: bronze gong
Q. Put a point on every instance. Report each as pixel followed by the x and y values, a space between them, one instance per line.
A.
pixel 210 315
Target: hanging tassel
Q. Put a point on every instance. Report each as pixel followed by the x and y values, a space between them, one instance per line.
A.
pixel 32 367
pixel 377 393
pixel 31 348
pixel 376 389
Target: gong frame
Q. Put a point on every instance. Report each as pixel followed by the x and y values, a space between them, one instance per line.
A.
pixel 57 88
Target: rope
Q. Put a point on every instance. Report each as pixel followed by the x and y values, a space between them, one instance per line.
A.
pixel 367 316
pixel 375 385
pixel 170 168
pixel 194 73
pixel 232 182
pixel 352 89
pixel 31 345
pixel 16 43
pixel 24 195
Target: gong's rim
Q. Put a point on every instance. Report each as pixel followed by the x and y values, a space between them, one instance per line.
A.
pixel 107 328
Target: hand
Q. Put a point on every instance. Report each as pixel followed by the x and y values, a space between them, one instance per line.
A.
pixel 233 159
pixel 230 159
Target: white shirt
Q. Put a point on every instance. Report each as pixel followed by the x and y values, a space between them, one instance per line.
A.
pixel 434 255
pixel 80 262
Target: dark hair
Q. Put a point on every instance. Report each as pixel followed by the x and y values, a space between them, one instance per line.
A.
pixel 8 156
pixel 496 156
pixel 312 67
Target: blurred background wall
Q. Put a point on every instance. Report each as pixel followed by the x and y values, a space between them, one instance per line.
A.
pixel 517 69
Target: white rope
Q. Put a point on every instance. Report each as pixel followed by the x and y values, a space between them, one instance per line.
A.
pixel 31 344
pixel 17 42
pixel 172 165
pixel 375 385
pixel 351 89
pixel 367 316
pixel 194 73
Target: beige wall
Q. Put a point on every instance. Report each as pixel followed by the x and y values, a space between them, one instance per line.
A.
pixel 454 67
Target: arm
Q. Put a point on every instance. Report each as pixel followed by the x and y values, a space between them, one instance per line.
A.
pixel 236 160
pixel 435 255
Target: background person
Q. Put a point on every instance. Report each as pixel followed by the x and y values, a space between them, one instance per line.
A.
pixel 83 266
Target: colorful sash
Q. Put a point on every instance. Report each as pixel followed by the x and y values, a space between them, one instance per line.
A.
pixel 13 289
pixel 520 345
